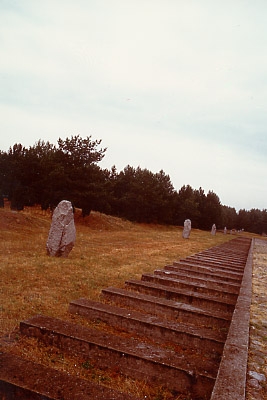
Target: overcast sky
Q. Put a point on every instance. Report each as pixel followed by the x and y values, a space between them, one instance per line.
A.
pixel 172 85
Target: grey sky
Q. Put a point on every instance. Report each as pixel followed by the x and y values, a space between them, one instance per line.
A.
pixel 177 85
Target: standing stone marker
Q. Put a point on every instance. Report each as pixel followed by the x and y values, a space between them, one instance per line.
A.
pixel 62 232
pixel 213 230
pixel 187 228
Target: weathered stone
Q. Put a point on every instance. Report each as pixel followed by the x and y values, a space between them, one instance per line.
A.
pixel 62 232
pixel 213 230
pixel 187 228
pixel 256 375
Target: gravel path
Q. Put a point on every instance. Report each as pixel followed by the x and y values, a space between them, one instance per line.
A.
pixel 257 357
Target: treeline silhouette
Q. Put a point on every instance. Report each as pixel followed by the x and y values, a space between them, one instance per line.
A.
pixel 45 174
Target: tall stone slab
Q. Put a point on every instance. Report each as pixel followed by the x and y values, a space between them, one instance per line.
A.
pixel 62 232
pixel 187 228
pixel 213 230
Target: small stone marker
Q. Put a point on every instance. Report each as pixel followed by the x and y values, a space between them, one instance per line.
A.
pixel 213 230
pixel 62 232
pixel 225 230
pixel 187 228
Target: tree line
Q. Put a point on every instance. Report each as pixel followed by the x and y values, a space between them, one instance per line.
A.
pixel 45 174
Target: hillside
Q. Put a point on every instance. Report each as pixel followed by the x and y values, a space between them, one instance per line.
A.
pixel 107 252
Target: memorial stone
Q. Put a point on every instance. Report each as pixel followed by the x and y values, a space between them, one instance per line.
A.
pixel 213 230
pixel 62 232
pixel 187 228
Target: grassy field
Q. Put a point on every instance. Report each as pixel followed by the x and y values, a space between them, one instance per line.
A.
pixel 107 252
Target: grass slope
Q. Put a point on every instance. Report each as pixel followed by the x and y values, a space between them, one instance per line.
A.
pixel 107 252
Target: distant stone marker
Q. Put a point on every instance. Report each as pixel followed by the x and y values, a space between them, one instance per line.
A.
pixel 213 230
pixel 187 228
pixel 62 232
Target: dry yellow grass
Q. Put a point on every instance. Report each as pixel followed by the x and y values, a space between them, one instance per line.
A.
pixel 107 252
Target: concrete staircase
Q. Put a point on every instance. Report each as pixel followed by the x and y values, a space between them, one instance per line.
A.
pixel 177 318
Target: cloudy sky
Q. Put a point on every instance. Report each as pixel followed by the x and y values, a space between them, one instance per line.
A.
pixel 177 85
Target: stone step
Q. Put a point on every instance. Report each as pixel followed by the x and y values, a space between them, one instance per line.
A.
pixel 190 286
pixel 223 251
pixel 225 254
pixel 201 300
pixel 208 271
pixel 191 374
pixel 21 379
pixel 218 265
pixel 202 272
pixel 238 245
pixel 227 261
pixel 197 279
pixel 154 328
pixel 168 309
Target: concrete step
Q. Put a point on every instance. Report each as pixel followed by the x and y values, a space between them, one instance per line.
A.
pixel 153 328
pixel 21 379
pixel 198 279
pixel 206 270
pixel 189 285
pixel 131 357
pixel 167 309
pixel 201 300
